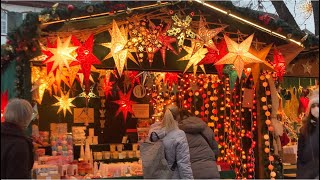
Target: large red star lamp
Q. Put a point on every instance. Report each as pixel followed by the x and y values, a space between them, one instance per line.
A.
pixel 125 104
pixel 279 63
pixel 215 55
pixel 85 58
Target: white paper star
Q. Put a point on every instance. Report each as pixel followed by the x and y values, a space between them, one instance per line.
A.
pixel 307 68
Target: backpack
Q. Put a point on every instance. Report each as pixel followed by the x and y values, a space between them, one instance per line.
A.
pixel 154 163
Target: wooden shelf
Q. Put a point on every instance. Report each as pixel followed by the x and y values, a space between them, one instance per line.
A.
pixel 117 160
pixel 290 166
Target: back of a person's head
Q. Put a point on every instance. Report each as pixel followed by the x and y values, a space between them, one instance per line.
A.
pixel 19 112
pixel 174 110
pixel 185 113
pixel 168 122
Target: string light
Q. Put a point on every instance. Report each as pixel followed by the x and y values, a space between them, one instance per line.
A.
pixel 249 22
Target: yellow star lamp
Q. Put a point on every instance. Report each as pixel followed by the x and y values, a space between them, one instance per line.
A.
pixel 194 58
pixel 238 54
pixel 62 54
pixel 64 103
pixel 257 67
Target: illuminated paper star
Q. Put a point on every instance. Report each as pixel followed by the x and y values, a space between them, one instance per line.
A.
pixel 72 74
pixel 239 54
pixel 195 58
pixel 166 43
pixel 80 78
pixel 257 67
pixel 64 103
pixel 117 48
pixel 107 86
pixel 279 63
pixel 41 82
pixel 205 35
pixel 62 54
pixel 213 56
pixel 125 104
pixel 171 78
pixel 181 29
pixel 85 57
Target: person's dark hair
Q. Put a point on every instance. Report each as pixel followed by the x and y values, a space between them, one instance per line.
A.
pixel 307 126
pixel 185 113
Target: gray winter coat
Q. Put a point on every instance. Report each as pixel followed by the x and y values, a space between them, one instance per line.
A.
pixel 202 156
pixel 176 148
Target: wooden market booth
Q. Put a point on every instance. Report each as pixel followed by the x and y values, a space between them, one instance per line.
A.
pixel 151 38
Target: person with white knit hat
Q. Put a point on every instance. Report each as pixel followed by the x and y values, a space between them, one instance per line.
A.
pixel 308 143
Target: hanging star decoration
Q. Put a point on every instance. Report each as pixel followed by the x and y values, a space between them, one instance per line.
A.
pixel 64 103
pixel 107 86
pixel 279 63
pixel 47 54
pixel 195 58
pixel 118 49
pixel 290 68
pixel 80 78
pixel 41 82
pixel 125 104
pixel 165 42
pixel 171 78
pixel 85 57
pixel 239 54
pixel 61 75
pixel 72 74
pixel 181 29
pixel 130 78
pixel 307 67
pixel 62 54
pixel 257 67
pixel 204 36
pixel 215 55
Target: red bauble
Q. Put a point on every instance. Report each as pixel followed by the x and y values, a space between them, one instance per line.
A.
pixel 70 7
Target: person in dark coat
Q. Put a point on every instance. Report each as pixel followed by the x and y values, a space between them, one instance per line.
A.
pixel 202 146
pixel 16 149
pixel 308 142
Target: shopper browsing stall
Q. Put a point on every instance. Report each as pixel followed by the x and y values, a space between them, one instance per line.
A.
pixel 16 149
pixel 308 147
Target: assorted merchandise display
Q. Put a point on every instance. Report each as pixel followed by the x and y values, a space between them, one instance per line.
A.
pixel 99 89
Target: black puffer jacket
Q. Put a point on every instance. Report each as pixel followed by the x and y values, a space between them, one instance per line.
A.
pixel 308 155
pixel 16 153
pixel 202 154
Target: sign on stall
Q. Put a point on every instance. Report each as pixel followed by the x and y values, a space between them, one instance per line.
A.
pixel 141 110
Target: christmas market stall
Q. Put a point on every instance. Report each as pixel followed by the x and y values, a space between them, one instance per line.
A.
pixel 100 74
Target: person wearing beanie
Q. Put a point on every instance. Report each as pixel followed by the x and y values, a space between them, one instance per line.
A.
pixel 16 149
pixel 308 142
